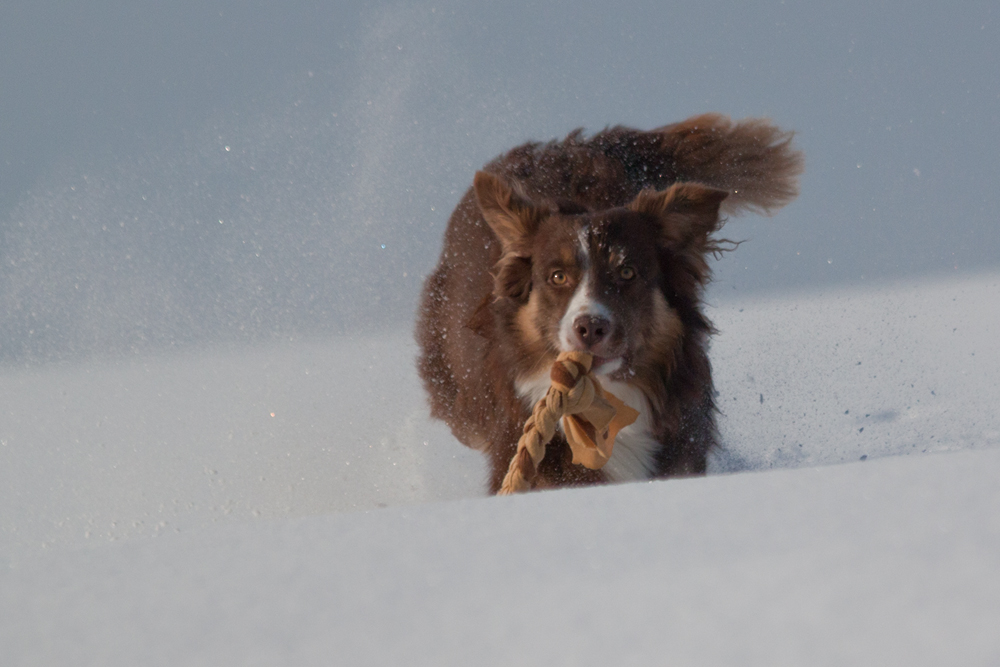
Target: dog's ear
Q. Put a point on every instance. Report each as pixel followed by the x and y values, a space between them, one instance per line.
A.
pixel 511 216
pixel 512 277
pixel 688 212
pixel 482 319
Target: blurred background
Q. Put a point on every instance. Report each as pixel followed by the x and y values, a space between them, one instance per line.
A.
pixel 219 172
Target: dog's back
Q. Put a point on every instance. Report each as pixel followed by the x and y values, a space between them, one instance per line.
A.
pixel 469 363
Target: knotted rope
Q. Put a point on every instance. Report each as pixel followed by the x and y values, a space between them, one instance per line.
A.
pixel 591 418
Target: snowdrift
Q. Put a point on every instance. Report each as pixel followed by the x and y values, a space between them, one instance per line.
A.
pixel 223 508
pixel 107 450
pixel 886 562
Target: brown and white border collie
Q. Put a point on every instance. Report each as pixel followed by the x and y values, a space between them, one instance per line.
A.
pixel 596 244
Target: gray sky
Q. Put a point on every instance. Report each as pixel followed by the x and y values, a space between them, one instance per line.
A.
pixel 317 134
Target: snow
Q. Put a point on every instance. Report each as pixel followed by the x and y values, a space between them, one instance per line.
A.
pixel 829 376
pixel 158 513
pixel 141 447
pixel 137 448
pixel 887 562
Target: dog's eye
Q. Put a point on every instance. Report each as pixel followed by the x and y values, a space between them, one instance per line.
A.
pixel 557 278
pixel 626 273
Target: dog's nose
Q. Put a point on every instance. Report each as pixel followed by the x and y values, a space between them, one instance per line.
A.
pixel 591 329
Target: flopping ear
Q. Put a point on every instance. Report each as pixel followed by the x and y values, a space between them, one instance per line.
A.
pixel 512 277
pixel 511 216
pixel 688 212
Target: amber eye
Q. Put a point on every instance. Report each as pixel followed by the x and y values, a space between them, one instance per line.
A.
pixel 626 273
pixel 557 278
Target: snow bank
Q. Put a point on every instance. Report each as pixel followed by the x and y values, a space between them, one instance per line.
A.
pixel 883 562
pixel 242 463
pixel 837 375
pixel 109 450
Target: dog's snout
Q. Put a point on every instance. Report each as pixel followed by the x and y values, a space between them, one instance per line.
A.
pixel 591 329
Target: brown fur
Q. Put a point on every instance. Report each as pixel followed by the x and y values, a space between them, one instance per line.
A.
pixel 487 311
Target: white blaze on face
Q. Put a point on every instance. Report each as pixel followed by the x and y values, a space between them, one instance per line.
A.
pixel 582 303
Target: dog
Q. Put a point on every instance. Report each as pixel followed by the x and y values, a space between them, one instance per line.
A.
pixel 598 244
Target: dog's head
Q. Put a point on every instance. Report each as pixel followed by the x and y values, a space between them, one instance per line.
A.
pixel 614 282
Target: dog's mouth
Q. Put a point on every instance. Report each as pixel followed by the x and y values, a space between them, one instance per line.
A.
pixel 607 365
pixel 608 362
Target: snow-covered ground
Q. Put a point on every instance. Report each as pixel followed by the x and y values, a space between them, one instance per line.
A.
pixel 892 561
pixel 138 448
pixel 157 513
pixel 162 445
pixel 847 374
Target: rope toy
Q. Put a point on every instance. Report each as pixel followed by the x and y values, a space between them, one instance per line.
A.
pixel 591 418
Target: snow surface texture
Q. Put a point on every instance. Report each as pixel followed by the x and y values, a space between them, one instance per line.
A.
pixel 847 374
pixel 139 448
pixel 890 562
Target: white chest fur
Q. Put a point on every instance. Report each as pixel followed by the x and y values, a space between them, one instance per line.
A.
pixel 634 454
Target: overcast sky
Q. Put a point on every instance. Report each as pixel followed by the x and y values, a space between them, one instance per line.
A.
pixel 229 171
